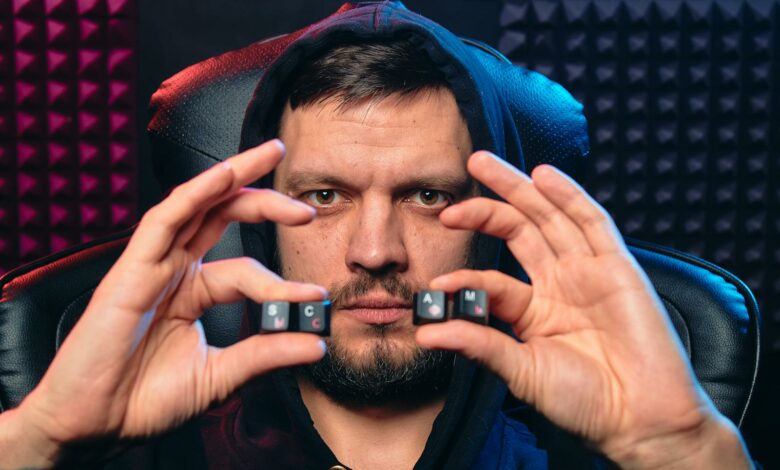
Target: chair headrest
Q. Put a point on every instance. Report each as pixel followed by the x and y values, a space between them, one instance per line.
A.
pixel 196 115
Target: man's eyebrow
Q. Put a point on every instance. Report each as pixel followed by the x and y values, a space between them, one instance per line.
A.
pixel 307 180
pixel 460 185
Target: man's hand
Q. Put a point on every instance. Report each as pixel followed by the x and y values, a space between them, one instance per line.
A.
pixel 137 363
pixel 598 355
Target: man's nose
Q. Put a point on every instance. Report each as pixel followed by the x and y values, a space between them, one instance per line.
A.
pixel 376 245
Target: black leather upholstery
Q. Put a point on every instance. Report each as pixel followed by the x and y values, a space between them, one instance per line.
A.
pixel 196 122
pixel 713 312
pixel 717 319
pixel 39 304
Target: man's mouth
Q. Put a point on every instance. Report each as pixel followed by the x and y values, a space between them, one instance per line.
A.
pixel 377 309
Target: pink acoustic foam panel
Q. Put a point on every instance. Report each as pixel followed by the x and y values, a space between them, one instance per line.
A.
pixel 67 124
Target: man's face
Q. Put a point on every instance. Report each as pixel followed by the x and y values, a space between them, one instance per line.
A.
pixel 379 174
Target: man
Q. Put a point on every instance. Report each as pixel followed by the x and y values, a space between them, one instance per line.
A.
pixel 378 197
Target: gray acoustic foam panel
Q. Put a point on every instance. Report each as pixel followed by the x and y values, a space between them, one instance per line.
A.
pixel 682 102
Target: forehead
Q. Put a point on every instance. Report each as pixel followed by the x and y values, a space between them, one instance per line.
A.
pixel 395 137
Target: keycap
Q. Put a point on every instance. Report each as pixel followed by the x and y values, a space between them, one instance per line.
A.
pixel 314 317
pixel 471 305
pixel 307 317
pixel 430 306
pixel 275 316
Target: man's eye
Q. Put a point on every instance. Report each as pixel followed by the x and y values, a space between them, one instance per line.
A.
pixel 431 198
pixel 322 197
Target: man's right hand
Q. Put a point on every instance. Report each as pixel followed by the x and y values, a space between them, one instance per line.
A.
pixel 137 362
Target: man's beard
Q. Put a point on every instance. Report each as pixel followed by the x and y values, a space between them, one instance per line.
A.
pixel 387 373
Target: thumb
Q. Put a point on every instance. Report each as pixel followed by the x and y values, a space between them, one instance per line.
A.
pixel 508 358
pixel 235 365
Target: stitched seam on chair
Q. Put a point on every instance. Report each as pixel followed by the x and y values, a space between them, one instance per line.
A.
pixel 685 322
pixel 57 340
pixel 159 135
pixel 54 257
pixel 750 301
pixel 691 341
pixel 729 277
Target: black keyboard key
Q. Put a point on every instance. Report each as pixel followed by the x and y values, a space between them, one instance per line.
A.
pixel 471 305
pixel 314 317
pixel 430 306
pixel 275 316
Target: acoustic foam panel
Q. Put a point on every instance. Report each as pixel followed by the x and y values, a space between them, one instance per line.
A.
pixel 682 101
pixel 67 124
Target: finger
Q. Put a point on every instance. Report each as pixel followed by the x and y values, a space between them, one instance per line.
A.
pixel 231 280
pixel 160 225
pixel 247 167
pixel 233 366
pixel 501 220
pixel 253 164
pixel 517 189
pixel 509 297
pixel 502 354
pixel 593 220
pixel 252 206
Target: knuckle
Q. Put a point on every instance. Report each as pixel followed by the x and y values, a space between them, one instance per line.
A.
pixel 149 215
pixel 515 226
pixel 516 378
pixel 552 216
pixel 220 216
pixel 178 191
pixel 493 275
pixel 248 263
pixel 492 347
pixel 595 217
pixel 153 216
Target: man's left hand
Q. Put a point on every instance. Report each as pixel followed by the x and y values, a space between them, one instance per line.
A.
pixel 597 353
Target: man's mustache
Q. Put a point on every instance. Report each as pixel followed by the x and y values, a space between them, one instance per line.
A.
pixel 393 285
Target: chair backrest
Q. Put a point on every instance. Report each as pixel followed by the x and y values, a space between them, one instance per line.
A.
pixel 196 121
pixel 713 312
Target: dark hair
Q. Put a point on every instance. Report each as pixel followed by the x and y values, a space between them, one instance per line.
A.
pixel 355 71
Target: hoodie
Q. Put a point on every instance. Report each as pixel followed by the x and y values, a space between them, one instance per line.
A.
pixel 512 112
pixel 471 431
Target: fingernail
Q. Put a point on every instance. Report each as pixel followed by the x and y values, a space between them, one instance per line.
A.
pixel 226 166
pixel 309 208
pixel 323 346
pixel 281 145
